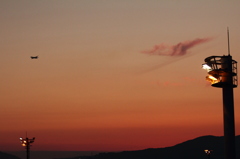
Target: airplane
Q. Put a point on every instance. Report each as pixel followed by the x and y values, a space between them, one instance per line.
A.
pixel 34 57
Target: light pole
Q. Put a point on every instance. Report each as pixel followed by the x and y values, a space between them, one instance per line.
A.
pixel 222 73
pixel 208 153
pixel 27 143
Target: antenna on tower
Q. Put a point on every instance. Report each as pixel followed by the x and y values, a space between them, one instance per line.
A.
pixel 228 42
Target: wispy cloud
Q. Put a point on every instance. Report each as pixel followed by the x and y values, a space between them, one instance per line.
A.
pixel 179 49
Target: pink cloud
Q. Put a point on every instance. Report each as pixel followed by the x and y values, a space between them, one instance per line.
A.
pixel 179 49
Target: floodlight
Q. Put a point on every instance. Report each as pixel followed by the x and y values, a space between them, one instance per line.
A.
pixel 212 79
pixel 206 67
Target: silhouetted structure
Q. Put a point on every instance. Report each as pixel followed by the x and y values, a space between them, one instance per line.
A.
pixel 4 155
pixel 27 143
pixel 222 73
pixel 191 149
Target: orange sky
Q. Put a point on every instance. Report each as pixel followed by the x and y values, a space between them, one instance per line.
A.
pixel 92 88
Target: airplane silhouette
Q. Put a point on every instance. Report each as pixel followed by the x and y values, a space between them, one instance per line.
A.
pixel 34 57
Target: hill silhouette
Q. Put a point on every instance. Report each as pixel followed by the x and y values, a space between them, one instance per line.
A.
pixel 188 150
pixel 4 155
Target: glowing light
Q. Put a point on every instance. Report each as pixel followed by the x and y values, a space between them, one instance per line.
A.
pixel 208 152
pixel 27 141
pixel 206 67
pixel 213 76
pixel 212 79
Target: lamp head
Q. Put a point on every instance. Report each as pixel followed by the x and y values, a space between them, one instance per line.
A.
pixel 206 67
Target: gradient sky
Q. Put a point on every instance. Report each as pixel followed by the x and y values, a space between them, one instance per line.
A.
pixel 93 88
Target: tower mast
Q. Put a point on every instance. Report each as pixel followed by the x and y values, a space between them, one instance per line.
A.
pixel 228 42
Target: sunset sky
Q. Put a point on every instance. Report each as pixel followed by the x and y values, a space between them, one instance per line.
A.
pixel 98 83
